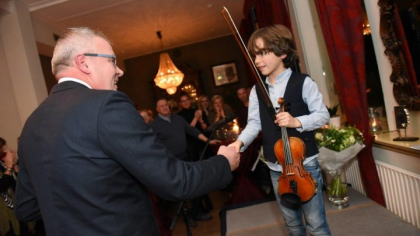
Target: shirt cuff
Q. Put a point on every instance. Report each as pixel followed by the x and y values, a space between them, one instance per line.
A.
pixel 302 121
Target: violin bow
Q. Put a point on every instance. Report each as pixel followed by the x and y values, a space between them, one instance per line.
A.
pixel 260 83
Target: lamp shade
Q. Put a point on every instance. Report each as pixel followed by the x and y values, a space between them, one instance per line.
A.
pixel 168 76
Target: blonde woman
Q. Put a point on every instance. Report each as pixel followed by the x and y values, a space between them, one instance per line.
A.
pixel 219 110
pixel 203 104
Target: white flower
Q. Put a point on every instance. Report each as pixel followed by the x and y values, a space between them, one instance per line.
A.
pixel 319 136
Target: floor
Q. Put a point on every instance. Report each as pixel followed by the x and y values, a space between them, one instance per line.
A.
pixel 205 228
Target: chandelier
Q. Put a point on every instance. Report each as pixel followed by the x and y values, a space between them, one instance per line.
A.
pixel 168 76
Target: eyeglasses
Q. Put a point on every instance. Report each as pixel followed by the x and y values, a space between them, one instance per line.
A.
pixel 112 57
pixel 184 101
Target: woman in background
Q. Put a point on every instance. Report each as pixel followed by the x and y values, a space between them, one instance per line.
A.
pixel 203 105
pixel 219 110
pixel 9 225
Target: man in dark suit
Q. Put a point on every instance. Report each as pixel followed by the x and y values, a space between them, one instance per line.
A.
pixel 87 157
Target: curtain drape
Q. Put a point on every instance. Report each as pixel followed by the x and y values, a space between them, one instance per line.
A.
pixel 341 23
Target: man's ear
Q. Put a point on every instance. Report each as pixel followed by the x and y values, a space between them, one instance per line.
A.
pixel 283 56
pixel 82 64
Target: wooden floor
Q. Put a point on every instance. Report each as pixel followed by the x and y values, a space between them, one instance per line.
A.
pixel 205 228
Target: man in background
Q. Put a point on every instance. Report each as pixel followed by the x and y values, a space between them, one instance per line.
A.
pixel 242 109
pixel 86 155
pixel 173 131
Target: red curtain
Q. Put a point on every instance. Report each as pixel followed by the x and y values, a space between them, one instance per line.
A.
pixel 341 23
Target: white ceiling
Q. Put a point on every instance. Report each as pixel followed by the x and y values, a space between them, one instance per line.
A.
pixel 132 24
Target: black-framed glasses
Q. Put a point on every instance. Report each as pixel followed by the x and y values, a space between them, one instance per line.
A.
pixel 112 57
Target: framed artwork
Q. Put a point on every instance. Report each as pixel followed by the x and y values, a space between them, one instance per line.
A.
pixel 224 74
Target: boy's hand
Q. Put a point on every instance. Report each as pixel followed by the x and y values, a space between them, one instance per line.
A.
pixel 284 119
pixel 237 145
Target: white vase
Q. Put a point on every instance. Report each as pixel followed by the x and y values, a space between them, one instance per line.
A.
pixel 335 122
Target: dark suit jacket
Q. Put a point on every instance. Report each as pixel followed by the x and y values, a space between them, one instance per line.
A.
pixel 85 158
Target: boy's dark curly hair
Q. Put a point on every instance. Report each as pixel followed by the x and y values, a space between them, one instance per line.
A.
pixel 277 39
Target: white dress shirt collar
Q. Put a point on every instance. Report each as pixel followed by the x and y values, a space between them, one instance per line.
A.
pixel 64 79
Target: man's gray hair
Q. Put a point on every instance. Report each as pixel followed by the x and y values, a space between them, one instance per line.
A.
pixel 74 41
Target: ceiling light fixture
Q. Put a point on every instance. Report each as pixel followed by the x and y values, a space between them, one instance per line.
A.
pixel 168 76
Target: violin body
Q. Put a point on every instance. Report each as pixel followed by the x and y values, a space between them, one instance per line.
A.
pixel 293 170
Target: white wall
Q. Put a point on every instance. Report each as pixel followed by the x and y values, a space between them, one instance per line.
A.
pixel 22 82
pixel 9 126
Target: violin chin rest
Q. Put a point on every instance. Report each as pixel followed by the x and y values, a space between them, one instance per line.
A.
pixel 291 200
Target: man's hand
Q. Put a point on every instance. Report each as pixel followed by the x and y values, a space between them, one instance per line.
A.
pixel 237 145
pixel 231 154
pixel 284 119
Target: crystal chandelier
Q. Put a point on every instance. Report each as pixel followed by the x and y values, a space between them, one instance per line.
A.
pixel 168 76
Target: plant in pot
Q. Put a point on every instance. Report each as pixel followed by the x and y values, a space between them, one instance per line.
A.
pixel 335 119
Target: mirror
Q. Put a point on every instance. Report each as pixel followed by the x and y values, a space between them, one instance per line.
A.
pixel 403 77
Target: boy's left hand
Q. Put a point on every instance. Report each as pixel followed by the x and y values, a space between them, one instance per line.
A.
pixel 284 119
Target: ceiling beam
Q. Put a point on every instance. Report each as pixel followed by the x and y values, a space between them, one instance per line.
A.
pixel 41 4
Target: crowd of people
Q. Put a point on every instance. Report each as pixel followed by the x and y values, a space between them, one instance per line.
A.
pixel 204 111
pixel 182 125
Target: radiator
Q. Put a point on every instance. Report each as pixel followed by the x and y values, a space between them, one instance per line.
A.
pixel 401 189
pixel 353 176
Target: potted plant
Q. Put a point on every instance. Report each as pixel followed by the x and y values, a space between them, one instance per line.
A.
pixel 335 119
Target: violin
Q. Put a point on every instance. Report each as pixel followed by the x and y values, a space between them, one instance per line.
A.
pixel 295 184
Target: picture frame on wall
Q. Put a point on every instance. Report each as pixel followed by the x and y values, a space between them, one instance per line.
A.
pixel 224 74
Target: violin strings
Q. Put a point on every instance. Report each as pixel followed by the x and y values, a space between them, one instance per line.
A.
pixel 286 148
pixel 287 152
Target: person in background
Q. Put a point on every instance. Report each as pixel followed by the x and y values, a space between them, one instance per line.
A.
pixel 173 131
pixel 242 109
pixel 9 225
pixel 274 52
pixel 196 118
pixel 151 114
pixel 9 169
pixel 203 105
pixel 174 106
pixel 87 159
pixel 219 110
pixel 146 116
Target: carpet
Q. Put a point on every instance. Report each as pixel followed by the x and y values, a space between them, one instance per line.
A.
pixel 362 217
